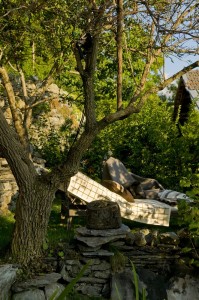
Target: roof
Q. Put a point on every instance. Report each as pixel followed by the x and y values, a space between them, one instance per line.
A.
pixel 191 81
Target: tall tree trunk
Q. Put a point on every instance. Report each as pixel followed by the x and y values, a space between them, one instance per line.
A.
pixel 32 216
pixel 119 52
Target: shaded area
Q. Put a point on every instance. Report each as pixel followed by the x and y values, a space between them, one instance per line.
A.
pixel 6 228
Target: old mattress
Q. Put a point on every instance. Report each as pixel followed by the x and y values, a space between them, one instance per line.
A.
pixel 147 211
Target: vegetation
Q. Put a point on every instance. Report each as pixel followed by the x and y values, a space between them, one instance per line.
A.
pixel 6 229
pixel 150 145
pixel 109 73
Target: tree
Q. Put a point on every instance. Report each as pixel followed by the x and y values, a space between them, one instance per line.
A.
pixel 61 34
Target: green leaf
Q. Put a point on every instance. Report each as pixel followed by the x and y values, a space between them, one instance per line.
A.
pixel 61 254
pixel 186 249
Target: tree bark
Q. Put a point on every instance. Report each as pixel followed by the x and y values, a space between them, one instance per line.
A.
pixel 17 122
pixel 32 216
pixel 119 52
pixel 103 214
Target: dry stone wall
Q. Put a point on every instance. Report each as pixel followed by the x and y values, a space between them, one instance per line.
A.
pixel 8 186
pixel 159 271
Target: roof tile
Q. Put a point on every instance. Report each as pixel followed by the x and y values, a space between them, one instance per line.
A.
pixel 192 82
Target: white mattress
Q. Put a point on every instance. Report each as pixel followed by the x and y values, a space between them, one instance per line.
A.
pixel 142 210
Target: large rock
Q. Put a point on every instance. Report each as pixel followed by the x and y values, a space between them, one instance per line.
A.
pixel 91 290
pixel 122 286
pixel 186 288
pixel 34 294
pixel 170 238
pixel 38 282
pixel 8 275
pixel 154 284
pixel 54 289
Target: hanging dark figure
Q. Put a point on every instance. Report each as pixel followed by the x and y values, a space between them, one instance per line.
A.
pixel 84 45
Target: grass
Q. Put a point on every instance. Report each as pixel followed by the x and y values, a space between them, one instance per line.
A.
pixel 6 228
pixel 57 229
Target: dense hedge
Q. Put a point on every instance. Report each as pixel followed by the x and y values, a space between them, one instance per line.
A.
pixel 150 144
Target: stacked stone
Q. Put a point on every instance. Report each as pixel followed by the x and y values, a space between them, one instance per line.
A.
pixel 8 186
pixel 94 242
pixel 147 250
pixel 95 281
pixel 104 226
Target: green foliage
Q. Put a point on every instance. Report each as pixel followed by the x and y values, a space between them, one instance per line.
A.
pixel 41 108
pixel 135 277
pixel 189 217
pixel 149 144
pixel 53 142
pixel 6 229
pixel 136 283
pixel 51 149
pixel 57 231
pixel 118 260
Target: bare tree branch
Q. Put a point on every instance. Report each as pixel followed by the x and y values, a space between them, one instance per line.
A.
pixel 17 120
pixel 178 74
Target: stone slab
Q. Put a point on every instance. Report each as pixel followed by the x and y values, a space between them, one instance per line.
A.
pixel 100 253
pixel 37 282
pixel 99 240
pixel 34 294
pixel 107 232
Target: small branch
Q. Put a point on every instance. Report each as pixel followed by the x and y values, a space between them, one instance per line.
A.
pixel 11 65
pixel 129 60
pixel 56 68
pixel 178 74
pixel 149 61
pixel 80 68
pixel 23 83
pixel 28 111
pixel 17 121
pixel 11 10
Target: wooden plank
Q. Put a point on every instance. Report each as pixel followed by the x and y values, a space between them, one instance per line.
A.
pixel 76 212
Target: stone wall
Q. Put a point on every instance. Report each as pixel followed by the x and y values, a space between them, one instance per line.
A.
pixel 8 186
pixel 109 273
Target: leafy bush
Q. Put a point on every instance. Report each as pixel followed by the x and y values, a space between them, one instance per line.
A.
pixel 151 145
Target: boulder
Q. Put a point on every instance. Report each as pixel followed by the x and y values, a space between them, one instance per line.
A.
pixel 170 238
pixel 183 288
pixel 34 294
pixel 54 289
pixel 8 274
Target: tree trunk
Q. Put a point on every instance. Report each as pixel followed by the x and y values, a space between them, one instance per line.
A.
pixel 119 52
pixel 103 214
pixel 32 216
